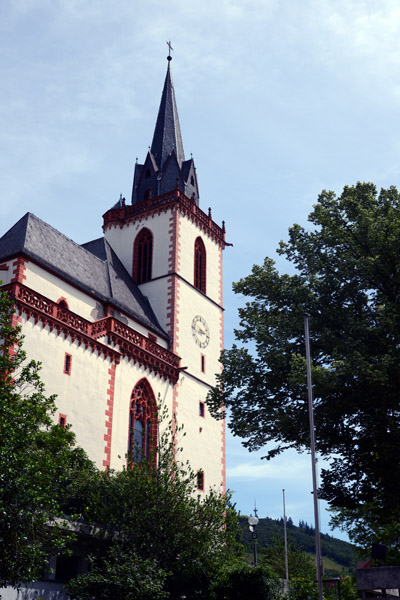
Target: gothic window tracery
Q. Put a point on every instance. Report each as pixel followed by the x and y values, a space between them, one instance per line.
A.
pixel 142 422
pixel 143 256
pixel 200 265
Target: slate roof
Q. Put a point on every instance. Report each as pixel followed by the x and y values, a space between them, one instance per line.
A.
pixel 93 267
pixel 167 134
pixel 165 168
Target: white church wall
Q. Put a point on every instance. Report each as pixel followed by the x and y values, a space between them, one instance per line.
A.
pixel 203 442
pixel 189 232
pixel 54 287
pixel 7 274
pixel 122 239
pixel 82 394
pixel 157 293
pixel 193 303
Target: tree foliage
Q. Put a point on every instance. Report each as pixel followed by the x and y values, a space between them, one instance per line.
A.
pixel 347 277
pixel 237 580
pixel 300 564
pixel 38 461
pixel 150 517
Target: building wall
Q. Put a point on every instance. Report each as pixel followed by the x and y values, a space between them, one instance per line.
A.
pixel 176 302
pixel 95 396
pixel 81 395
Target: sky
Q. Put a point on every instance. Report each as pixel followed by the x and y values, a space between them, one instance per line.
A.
pixel 277 100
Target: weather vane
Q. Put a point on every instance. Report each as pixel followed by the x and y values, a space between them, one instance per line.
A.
pixel 169 57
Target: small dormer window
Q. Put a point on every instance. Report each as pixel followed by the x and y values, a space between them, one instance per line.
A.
pixel 147 173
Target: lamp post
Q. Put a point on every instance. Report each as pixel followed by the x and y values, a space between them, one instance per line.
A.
pixel 253 522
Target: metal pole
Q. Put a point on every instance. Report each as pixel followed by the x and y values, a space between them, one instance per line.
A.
pixel 313 460
pixel 285 537
pixel 255 539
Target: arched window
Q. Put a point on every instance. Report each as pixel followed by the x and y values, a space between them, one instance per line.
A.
pixel 142 422
pixel 142 256
pixel 200 265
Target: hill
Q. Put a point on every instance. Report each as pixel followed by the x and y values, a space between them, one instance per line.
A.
pixel 341 555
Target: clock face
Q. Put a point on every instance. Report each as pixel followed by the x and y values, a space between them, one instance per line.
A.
pixel 200 331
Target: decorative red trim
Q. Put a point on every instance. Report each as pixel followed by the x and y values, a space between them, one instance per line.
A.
pixel 4 267
pixel 152 338
pixel 63 302
pixel 140 349
pixel 15 322
pixel 132 344
pixel 67 364
pixel 155 206
pixel 221 336
pixel 62 420
pixel 109 309
pixel 19 270
pixel 173 298
pixel 56 318
pixel 109 415
pixel 173 282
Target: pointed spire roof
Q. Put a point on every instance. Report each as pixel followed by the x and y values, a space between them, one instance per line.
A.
pixel 165 169
pixel 167 133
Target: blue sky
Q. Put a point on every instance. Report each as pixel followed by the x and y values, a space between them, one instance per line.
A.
pixel 278 99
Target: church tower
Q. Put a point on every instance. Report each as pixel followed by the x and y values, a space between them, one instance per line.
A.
pixel 173 251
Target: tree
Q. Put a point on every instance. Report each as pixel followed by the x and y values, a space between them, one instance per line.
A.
pixel 37 462
pixel 148 515
pixel 237 580
pixel 300 564
pixel 347 277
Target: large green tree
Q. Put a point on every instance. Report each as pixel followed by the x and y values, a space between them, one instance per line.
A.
pixel 346 275
pixel 38 462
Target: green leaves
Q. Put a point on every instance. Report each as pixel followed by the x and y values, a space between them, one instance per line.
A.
pixel 37 462
pixel 347 277
pixel 149 516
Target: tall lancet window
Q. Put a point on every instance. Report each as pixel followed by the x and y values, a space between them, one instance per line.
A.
pixel 142 423
pixel 200 265
pixel 143 256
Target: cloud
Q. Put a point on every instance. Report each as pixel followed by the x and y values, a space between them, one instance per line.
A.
pixel 292 466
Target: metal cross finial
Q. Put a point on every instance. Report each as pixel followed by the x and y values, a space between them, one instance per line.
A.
pixel 169 57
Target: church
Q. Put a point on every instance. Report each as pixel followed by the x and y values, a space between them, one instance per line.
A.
pixel 132 318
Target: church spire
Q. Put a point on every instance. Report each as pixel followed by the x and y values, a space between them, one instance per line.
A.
pixel 167 134
pixel 165 169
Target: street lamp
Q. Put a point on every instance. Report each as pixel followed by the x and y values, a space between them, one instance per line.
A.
pixel 253 522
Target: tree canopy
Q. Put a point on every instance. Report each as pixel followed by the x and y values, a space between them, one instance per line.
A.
pixel 347 277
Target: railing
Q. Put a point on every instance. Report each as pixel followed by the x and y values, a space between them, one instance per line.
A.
pixel 93 330
pixel 121 214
